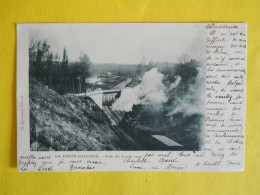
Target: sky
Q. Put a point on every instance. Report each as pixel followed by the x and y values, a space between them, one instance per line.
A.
pixel 124 43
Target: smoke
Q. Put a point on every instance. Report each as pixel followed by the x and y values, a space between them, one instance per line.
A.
pixel 171 102
pixel 150 91
pixel 194 99
pixel 176 83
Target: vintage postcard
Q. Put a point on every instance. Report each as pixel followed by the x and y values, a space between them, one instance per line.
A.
pixel 131 96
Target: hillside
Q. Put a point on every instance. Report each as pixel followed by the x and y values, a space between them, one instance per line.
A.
pixel 65 123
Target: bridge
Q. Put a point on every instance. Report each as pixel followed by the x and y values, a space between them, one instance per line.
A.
pixel 96 92
pixel 91 93
pixel 148 139
pixel 118 88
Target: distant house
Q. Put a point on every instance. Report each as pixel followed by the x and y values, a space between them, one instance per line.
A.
pixel 91 80
pixel 93 83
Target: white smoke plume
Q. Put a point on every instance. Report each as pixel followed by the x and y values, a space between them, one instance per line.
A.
pixel 194 99
pixel 176 83
pixel 150 91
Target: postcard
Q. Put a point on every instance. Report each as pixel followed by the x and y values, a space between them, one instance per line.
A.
pixel 131 96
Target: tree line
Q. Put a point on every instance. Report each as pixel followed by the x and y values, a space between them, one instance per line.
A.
pixel 57 72
pixel 125 70
pixel 65 76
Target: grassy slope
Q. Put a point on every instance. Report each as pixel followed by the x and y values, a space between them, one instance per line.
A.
pixel 70 123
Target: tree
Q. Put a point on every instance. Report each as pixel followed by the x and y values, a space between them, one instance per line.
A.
pixel 84 64
pixel 79 69
pixel 38 56
pixel 60 75
pixel 49 68
pixel 64 81
pixel 84 68
pixel 65 58
pixel 57 57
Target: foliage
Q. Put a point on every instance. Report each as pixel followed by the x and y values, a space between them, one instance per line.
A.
pixel 66 123
pixel 62 76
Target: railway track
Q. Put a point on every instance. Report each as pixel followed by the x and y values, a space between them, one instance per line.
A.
pixel 122 84
pixel 114 116
pixel 147 139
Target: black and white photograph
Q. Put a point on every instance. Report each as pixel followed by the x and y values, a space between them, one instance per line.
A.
pixel 117 87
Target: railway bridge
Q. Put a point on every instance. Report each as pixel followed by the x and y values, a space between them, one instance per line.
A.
pixel 147 138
